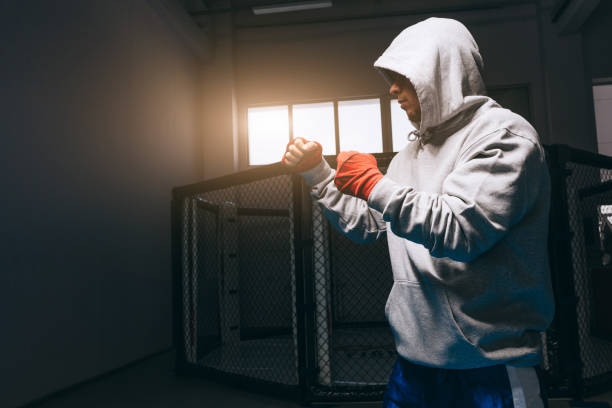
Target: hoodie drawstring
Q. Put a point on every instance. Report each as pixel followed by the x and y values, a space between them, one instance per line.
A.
pixel 416 135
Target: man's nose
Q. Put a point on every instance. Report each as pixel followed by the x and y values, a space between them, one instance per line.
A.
pixel 394 90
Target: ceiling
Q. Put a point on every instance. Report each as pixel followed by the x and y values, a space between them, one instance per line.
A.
pixel 242 14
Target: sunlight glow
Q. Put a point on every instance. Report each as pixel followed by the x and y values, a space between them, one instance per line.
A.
pixel 268 133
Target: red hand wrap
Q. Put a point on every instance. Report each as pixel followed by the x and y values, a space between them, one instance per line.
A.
pixel 310 159
pixel 357 174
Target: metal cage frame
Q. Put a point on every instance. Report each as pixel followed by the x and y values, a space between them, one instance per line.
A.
pixel 563 366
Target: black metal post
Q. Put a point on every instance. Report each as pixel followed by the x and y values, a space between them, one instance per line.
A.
pixel 177 284
pixel 309 290
pixel 303 369
pixel 560 255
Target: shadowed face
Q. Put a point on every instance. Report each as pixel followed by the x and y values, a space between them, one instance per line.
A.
pixel 406 95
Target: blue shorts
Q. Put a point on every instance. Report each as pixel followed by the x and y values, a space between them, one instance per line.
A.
pixel 498 386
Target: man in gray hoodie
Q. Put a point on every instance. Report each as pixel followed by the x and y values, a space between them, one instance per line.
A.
pixel 465 209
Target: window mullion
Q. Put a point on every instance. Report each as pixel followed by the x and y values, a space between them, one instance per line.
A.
pixel 290 113
pixel 336 126
pixel 385 113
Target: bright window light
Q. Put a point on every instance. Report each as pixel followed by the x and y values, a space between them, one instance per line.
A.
pixel 268 133
pixel 315 121
pixel 400 126
pixel 360 125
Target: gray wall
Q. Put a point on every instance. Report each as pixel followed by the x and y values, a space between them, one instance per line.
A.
pixel 219 105
pixel 597 51
pixel 568 95
pixel 597 41
pixel 99 105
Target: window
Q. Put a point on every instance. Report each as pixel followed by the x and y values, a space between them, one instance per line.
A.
pixel 315 121
pixel 268 129
pixel 357 126
pixel 360 127
pixel 400 126
pixel 602 99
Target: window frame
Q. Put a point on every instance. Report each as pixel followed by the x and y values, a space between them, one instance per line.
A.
pixel 385 118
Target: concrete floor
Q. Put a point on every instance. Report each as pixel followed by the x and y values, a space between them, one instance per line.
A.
pixel 151 383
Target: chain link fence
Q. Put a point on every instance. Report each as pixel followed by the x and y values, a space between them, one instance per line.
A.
pixel 581 339
pixel 354 343
pixel 237 282
pixel 269 296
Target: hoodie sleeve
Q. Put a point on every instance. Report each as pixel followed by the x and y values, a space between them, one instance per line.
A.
pixel 495 182
pixel 349 215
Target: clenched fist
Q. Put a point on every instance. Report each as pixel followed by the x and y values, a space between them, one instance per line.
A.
pixel 302 155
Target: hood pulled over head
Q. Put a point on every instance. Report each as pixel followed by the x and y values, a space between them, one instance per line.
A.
pixel 441 59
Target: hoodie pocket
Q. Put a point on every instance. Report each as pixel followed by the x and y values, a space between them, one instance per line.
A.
pixel 455 320
pixel 424 327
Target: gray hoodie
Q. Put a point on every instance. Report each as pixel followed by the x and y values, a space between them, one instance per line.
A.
pixel 465 209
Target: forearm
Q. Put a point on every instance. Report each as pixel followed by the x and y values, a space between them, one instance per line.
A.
pixel 428 219
pixel 349 215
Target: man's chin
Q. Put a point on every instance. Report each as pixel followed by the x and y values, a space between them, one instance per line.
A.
pixel 415 123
